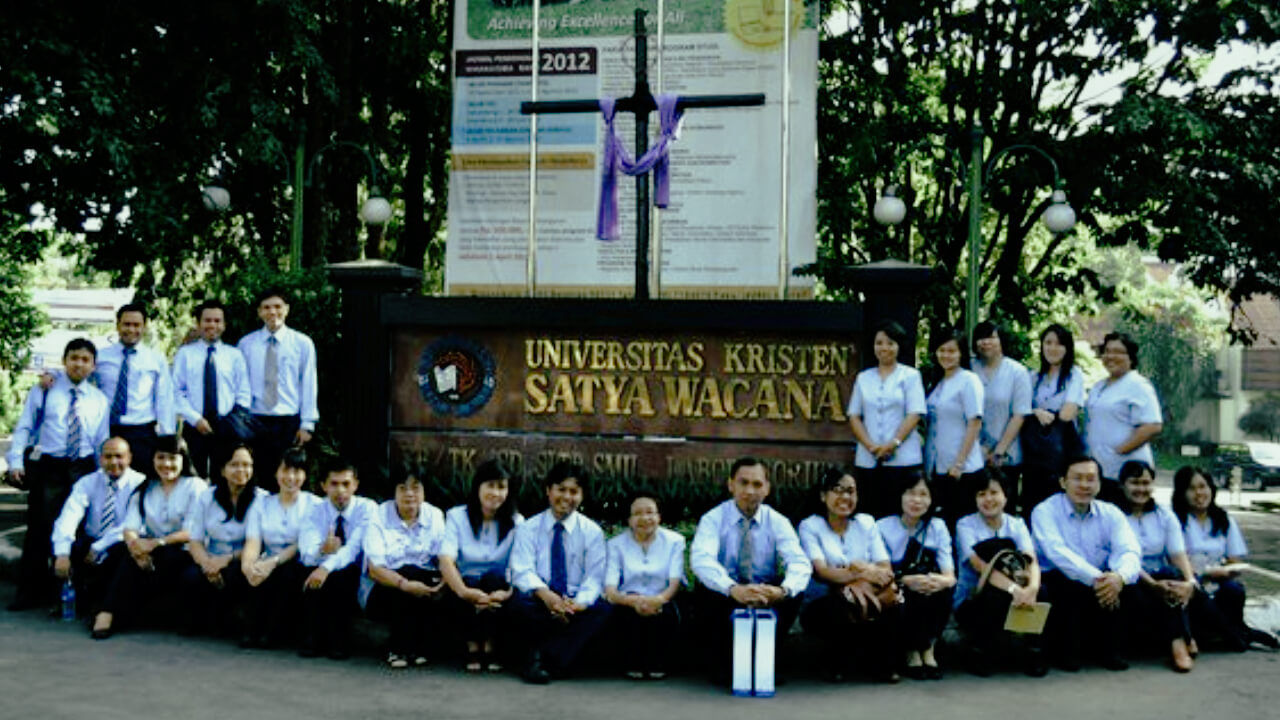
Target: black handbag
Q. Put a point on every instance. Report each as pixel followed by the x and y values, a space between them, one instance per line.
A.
pixel 1002 555
pixel 918 559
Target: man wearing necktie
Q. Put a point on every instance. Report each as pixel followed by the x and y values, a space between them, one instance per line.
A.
pixel 54 444
pixel 211 392
pixel 282 378
pixel 136 380
pixel 558 563
pixel 91 560
pixel 330 546
pixel 736 554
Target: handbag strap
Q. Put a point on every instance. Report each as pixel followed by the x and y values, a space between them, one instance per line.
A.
pixel 919 538
pixel 39 419
pixel 986 572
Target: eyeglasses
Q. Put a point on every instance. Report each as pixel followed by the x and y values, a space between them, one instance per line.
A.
pixel 844 490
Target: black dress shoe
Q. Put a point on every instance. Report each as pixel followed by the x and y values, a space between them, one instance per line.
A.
pixel 1115 663
pixel 932 672
pixel 338 653
pixel 102 634
pixel 535 673
pixel 308 650
pixel 1263 638
pixel 1034 664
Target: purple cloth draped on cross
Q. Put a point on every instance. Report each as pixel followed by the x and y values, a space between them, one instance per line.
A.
pixel 617 158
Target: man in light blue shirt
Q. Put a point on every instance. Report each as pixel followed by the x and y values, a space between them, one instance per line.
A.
pixel 54 443
pixel 735 554
pixel 211 392
pixel 558 565
pixel 1088 554
pixel 139 387
pixel 282 380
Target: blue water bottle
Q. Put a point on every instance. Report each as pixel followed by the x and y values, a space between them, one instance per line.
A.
pixel 68 601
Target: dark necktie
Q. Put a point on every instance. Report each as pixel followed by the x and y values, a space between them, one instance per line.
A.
pixel 559 571
pixel 745 550
pixel 271 375
pixel 120 401
pixel 74 430
pixel 210 388
pixel 340 530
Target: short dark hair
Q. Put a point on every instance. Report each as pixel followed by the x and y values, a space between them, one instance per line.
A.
pixel 828 481
pixel 642 492
pixel 270 292
pixel 941 335
pixel 209 304
pixel 80 344
pixel 1134 469
pixel 340 465
pixel 295 458
pixel 892 330
pixel 981 480
pixel 1130 346
pixel 909 480
pixel 1077 458
pixel 985 329
pixel 133 307
pixel 745 461
pixel 562 471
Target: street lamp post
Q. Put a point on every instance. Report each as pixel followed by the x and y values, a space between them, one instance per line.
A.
pixel 1058 217
pixel 375 210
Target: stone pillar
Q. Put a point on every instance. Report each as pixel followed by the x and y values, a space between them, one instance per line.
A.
pixel 363 361
pixel 891 290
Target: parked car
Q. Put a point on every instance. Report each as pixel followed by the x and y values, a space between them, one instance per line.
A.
pixel 1259 464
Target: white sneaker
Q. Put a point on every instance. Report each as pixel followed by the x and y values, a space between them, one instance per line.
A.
pixel 396 661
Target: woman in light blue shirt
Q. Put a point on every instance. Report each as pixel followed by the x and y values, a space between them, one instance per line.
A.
pixel 1158 601
pixel 919 547
pixel 473 560
pixel 270 558
pixel 1214 542
pixel 884 410
pixel 1050 435
pixel 843 605
pixel 953 456
pixel 402 585
pixel 644 571
pixel 1006 393
pixel 154 532
pixel 215 584
pixel 1122 414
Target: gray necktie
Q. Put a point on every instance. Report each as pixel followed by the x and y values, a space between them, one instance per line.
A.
pixel 271 375
pixel 745 550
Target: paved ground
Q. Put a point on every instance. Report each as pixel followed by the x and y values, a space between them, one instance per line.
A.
pixel 51 670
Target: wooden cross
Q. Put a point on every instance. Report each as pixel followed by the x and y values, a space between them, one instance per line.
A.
pixel 640 103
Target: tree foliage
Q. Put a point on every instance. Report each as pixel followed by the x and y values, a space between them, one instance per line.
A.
pixel 1263 418
pixel 1167 161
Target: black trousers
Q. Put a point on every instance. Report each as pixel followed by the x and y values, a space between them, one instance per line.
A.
pixel 273 434
pixel 878 489
pixel 142 445
pixel 469 623
pixel 273 606
pixel 982 618
pixel 1220 613
pixel 1150 619
pixel 846 642
pixel 713 613
pixel 211 608
pixel 95 582
pixel 329 611
pixel 1038 484
pixel 414 620
pixel 559 643
pixel 951 497
pixel 924 617
pixel 48 482
pixel 645 642
pixel 133 585
pixel 1077 622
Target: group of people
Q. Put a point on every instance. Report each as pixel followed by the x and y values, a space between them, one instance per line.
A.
pixel 873 572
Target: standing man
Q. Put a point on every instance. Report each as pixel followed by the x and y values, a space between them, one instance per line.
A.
pixel 736 552
pixel 92 558
pixel 282 377
pixel 135 378
pixel 53 444
pixel 211 391
pixel 1089 554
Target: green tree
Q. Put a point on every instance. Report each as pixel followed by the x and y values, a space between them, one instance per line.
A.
pixel 1263 417
pixel 1168 162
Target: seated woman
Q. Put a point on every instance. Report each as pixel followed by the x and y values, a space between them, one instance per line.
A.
pixel 401 584
pixel 1214 542
pixel 983 596
pixel 919 547
pixel 1166 584
pixel 473 560
pixel 644 572
pixel 851 602
pixel 269 560
pixel 153 533
pixel 215 584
